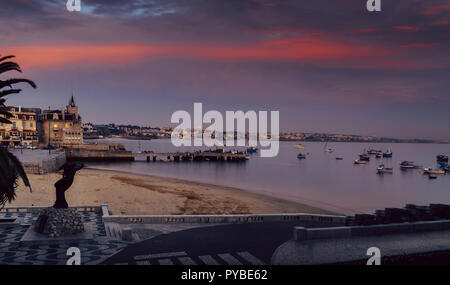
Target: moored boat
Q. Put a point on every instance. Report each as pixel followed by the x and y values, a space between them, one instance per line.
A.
pixel 372 151
pixel 428 170
pixel 301 156
pixel 252 149
pixel 382 169
pixel 329 150
pixel 299 146
pixel 357 161
pixel 442 158
pixel 407 165
pixel 339 158
pixel 364 157
pixel 432 177
pixel 379 154
pixel 388 153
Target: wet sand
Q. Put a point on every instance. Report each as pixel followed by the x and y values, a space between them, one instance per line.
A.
pixel 131 194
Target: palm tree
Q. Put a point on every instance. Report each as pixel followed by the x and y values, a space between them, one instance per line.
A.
pixel 10 167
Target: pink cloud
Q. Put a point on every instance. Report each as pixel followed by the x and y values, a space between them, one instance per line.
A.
pixel 296 48
pixel 441 23
pixel 420 45
pixel 363 31
pixel 437 10
pixel 407 28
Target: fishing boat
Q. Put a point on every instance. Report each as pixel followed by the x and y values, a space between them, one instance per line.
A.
pixel 339 158
pixel 428 170
pixel 407 165
pixel 442 158
pixel 379 154
pixel 364 157
pixel 388 153
pixel 301 156
pixel 382 169
pixel 329 150
pixel 299 146
pixel 252 149
pixel 357 161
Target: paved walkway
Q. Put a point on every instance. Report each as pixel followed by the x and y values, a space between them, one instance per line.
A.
pixel 232 244
pixel 347 250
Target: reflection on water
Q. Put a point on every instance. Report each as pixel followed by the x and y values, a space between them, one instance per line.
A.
pixel 318 180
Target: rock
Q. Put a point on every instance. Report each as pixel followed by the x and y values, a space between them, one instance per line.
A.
pixel 58 222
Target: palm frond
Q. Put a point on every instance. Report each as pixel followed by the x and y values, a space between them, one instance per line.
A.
pixel 9 92
pixel 7 57
pixel 13 81
pixel 11 168
pixel 9 66
pixel 8 178
pixel 5 121
pixel 18 168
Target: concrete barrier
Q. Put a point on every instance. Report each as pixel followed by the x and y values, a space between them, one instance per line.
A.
pixel 164 219
pixel 334 232
pixel 301 233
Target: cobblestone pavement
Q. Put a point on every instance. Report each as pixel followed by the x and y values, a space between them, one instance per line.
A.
pixel 92 252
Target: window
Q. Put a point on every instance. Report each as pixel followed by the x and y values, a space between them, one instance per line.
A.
pixel 67 125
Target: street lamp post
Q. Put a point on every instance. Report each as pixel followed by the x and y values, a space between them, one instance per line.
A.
pixel 49 135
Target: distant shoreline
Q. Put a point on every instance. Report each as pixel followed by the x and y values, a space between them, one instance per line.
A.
pixel 394 141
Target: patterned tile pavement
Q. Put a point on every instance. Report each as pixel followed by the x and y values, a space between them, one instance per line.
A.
pixel 92 252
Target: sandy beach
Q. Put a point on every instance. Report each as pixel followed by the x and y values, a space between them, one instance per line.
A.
pixel 130 194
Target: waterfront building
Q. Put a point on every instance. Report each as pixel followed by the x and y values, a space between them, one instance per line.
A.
pixel 61 128
pixel 23 128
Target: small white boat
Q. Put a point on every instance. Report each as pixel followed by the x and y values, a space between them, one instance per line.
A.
pixel 329 150
pixel 164 160
pixel 407 165
pixel 357 161
pixel 433 171
pixel 381 169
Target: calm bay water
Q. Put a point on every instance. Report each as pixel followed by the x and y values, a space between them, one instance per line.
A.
pixel 319 180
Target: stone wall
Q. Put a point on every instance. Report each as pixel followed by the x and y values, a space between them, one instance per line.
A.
pixel 47 165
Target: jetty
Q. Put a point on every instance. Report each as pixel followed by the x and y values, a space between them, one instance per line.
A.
pixel 95 154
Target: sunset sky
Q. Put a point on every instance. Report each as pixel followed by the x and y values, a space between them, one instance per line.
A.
pixel 326 65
